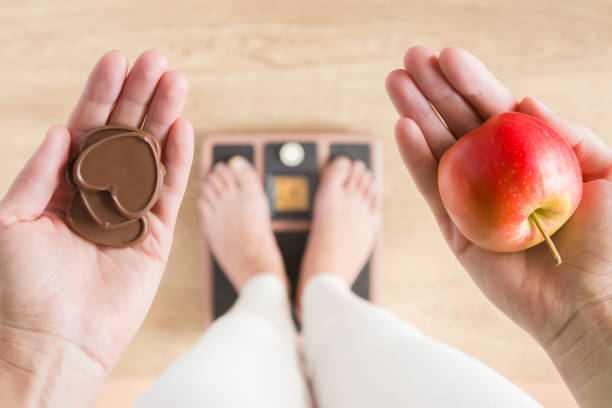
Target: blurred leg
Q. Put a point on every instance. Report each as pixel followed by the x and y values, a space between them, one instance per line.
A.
pixel 359 355
pixel 247 358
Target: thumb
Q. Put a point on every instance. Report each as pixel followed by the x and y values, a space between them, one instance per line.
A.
pixel 32 189
pixel 594 155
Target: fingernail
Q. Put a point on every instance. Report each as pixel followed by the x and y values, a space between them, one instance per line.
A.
pixel 237 163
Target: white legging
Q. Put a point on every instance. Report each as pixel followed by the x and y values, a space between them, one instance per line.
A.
pixel 354 355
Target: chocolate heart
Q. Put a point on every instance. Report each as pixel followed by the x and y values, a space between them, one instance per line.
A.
pixel 128 234
pixel 119 176
pixel 99 204
pixel 127 166
pixel 102 209
pixel 95 135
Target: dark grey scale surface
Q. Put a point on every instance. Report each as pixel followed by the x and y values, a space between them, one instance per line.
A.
pixel 354 151
pixel 291 244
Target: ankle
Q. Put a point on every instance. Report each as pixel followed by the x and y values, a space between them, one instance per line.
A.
pixel 322 262
pixel 315 288
pixel 256 269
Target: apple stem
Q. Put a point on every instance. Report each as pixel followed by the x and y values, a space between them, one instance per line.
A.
pixel 549 242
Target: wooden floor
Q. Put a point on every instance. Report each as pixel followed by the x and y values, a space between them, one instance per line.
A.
pixel 311 65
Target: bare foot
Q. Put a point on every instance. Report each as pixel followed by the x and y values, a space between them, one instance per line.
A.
pixel 344 225
pixel 236 223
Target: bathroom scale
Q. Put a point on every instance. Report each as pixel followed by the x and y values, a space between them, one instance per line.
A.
pixel 288 166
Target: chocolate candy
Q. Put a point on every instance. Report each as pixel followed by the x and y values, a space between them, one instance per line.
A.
pixel 119 177
pixel 80 220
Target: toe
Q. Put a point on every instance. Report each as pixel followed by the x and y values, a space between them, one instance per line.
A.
pixel 208 194
pixel 205 208
pixel 375 198
pixel 227 176
pixel 358 171
pixel 244 172
pixel 216 183
pixel 207 201
pixel 366 185
pixel 337 172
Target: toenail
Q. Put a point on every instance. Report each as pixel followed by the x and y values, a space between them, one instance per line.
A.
pixel 342 163
pixel 237 163
pixel 360 163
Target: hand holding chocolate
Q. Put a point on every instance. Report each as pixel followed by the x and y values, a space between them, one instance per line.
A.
pixel 119 176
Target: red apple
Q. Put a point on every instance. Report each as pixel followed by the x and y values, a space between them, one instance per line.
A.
pixel 506 176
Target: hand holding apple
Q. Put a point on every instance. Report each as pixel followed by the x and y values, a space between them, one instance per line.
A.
pixel 507 179
pixel 567 309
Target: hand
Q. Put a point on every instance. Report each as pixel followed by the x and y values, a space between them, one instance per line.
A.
pixel 568 309
pixel 68 307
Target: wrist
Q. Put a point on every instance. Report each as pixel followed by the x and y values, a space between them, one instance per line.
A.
pixel 38 371
pixel 582 352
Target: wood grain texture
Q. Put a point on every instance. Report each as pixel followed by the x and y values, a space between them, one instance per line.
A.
pixel 316 65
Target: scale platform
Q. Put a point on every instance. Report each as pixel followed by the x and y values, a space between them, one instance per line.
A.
pixel 288 166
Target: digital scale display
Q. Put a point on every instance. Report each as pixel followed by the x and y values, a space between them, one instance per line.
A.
pixel 291 193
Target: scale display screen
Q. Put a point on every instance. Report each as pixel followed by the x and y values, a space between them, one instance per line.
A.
pixel 291 193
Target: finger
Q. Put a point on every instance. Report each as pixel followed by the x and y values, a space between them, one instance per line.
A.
pixel 167 104
pixel 138 89
pixel 34 186
pixel 410 102
pixel 471 78
pixel 178 155
pixel 458 114
pixel 100 93
pixel 421 164
pixel 594 156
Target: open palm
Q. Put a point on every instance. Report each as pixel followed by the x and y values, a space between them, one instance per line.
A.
pixel 58 291
pixel 543 299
